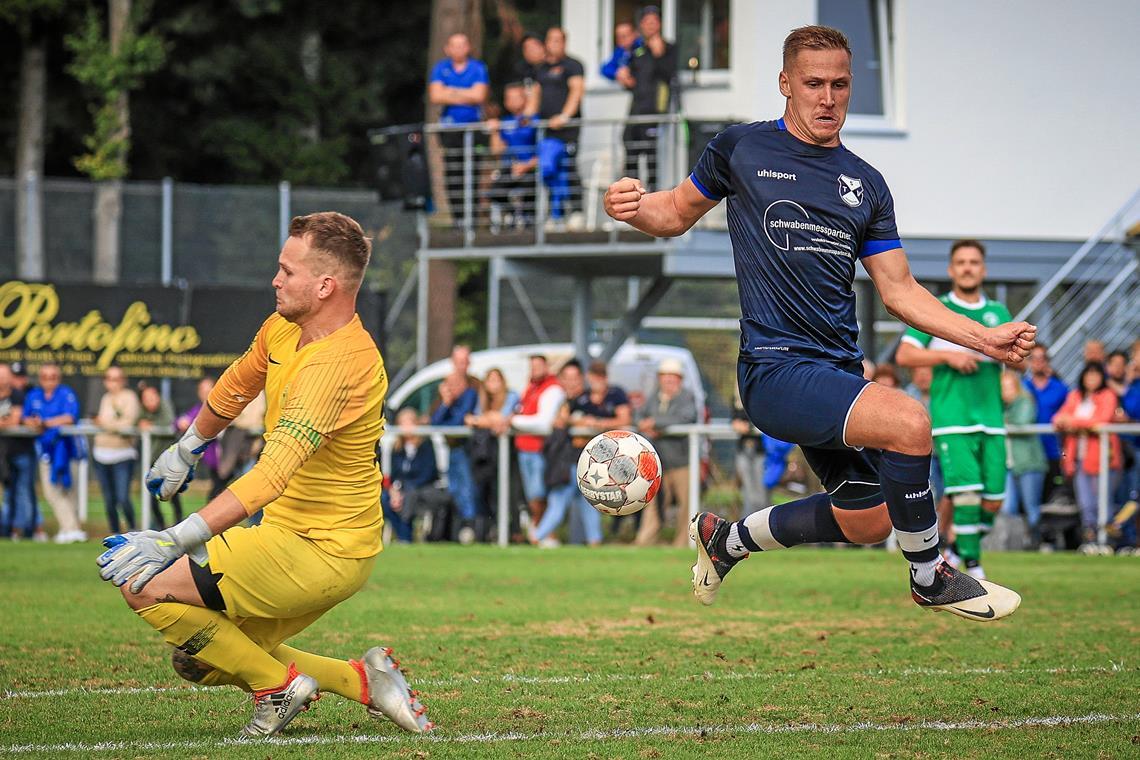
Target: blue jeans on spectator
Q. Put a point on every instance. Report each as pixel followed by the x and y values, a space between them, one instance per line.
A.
pixel 1024 491
pixel 532 469
pixel 1087 488
pixel 554 163
pixel 398 520
pixel 461 484
pixel 20 495
pixel 1128 490
pixel 559 501
pixel 115 482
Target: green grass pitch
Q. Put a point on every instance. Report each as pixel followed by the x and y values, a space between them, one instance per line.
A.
pixel 577 653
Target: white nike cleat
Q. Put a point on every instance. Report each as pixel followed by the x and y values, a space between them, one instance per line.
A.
pixel 274 708
pixel 389 694
pixel 953 591
pixel 707 530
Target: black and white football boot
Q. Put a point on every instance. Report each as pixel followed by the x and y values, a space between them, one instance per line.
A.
pixel 954 591
pixel 713 562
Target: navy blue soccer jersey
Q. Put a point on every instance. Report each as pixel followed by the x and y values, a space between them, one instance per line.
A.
pixel 799 215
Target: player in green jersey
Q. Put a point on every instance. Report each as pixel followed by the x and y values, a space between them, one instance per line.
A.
pixel 966 406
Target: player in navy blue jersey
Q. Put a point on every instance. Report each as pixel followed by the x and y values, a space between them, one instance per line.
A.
pixel 801 210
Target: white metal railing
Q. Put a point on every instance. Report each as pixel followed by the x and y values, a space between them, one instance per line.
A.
pixel 715 430
pixel 482 200
pixel 1094 291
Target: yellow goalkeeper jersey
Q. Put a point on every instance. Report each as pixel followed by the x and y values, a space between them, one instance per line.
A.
pixel 317 475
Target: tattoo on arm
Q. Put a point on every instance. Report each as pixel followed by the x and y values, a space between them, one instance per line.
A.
pixel 167 598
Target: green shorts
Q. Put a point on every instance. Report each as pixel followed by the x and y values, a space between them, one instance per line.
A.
pixel 972 462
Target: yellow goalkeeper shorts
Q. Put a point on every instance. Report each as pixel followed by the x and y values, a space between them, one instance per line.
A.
pixel 273 583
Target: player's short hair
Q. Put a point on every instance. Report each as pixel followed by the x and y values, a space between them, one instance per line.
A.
pixel 339 236
pixel 814 37
pixel 967 243
pixel 571 364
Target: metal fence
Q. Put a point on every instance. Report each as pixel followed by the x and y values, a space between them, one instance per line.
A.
pixel 171 231
pixel 694 434
pixel 497 187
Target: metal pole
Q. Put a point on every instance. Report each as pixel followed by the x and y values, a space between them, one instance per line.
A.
pixel 81 485
pixel 144 494
pixel 694 476
pixel 494 295
pixel 422 311
pixel 504 489
pixel 167 232
pixel 1102 490
pixel 539 195
pixel 615 171
pixel 33 267
pixel 580 322
pixel 468 187
pixel 283 205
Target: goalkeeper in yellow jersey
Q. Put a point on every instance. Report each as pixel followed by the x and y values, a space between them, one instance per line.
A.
pixel 226 597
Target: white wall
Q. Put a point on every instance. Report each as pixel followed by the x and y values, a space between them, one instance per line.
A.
pixel 1019 119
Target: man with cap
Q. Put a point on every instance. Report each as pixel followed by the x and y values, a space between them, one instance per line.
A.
pixel 652 69
pixel 670 404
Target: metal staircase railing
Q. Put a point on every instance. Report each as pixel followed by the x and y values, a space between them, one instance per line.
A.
pixel 1095 294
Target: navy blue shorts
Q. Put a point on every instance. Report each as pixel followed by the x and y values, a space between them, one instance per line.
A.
pixel 806 402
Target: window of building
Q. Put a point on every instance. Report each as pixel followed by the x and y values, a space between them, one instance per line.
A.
pixel 867 24
pixel 703 34
pixel 700 29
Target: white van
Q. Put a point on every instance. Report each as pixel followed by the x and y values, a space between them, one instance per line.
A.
pixel 633 368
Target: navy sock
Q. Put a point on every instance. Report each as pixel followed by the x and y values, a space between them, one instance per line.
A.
pixel 905 480
pixel 805 521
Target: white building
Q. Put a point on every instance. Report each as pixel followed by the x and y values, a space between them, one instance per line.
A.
pixel 1009 120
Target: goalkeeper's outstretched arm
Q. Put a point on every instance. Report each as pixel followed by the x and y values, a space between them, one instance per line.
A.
pixel 667 213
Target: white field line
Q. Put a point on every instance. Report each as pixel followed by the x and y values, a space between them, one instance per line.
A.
pixel 514 678
pixel 589 735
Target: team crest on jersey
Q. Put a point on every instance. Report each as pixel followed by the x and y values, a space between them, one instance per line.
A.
pixel 990 319
pixel 850 190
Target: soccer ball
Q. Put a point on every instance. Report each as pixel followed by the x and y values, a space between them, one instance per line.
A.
pixel 619 472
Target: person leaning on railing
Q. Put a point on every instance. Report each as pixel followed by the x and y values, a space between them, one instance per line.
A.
pixel 156 416
pixel 1090 405
pixel 459 84
pixel 47 408
pixel 114 451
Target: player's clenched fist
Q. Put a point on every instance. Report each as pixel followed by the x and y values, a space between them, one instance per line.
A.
pixel 623 198
pixel 1010 342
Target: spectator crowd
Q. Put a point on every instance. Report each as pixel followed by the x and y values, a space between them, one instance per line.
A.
pixel 528 121
pixel 40 452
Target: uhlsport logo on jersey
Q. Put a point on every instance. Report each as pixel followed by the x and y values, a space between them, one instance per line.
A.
pixel 850 190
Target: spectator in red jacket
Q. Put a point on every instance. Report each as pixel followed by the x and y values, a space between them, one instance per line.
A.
pixel 1087 407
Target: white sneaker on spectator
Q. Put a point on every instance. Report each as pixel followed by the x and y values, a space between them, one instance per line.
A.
pixel 40 537
pixel 555 225
pixel 550 542
pixel 576 222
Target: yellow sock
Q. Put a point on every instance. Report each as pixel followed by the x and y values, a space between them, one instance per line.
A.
pixel 211 637
pixel 337 676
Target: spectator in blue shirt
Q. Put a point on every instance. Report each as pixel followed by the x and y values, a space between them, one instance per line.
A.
pixel 1123 525
pixel 513 139
pixel 413 468
pixel 626 40
pixel 459 83
pixel 47 408
pixel 458 398
pixel 1050 394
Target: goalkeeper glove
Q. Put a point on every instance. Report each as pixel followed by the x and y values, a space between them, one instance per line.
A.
pixel 172 472
pixel 144 554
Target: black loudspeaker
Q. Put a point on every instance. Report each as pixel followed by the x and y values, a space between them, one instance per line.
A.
pixel 401 167
pixel 700 132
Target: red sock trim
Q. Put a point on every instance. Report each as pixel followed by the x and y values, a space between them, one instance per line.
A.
pixel 290 674
pixel 358 666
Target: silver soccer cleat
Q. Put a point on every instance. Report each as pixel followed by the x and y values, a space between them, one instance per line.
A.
pixel 272 711
pixel 389 694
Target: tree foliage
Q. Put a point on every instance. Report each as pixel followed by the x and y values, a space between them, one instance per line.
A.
pixel 108 75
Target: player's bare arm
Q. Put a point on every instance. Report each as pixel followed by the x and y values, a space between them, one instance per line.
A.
pixel 667 213
pixel 910 355
pixel 917 307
